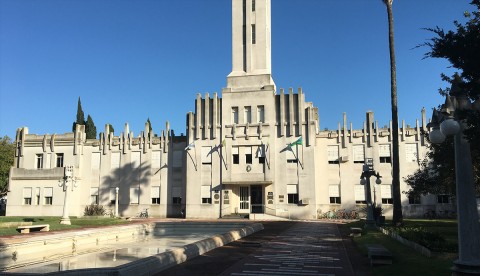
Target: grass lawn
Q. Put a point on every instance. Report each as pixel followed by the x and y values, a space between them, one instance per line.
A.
pixel 55 223
pixel 407 261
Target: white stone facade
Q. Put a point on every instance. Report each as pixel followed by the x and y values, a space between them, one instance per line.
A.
pixel 253 150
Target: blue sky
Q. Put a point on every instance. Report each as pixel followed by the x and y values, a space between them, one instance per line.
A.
pixel 139 59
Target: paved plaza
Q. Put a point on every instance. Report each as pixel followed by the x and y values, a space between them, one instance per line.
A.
pixel 283 248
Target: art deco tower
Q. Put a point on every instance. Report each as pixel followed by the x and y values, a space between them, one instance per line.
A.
pixel 251 45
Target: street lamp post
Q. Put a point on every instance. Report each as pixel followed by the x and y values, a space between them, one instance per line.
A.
pixel 67 182
pixel 447 122
pixel 367 172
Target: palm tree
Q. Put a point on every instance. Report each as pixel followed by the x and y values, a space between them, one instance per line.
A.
pixel 397 203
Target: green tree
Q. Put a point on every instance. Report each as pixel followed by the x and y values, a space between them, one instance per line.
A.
pixel 397 203
pixel 461 48
pixel 7 154
pixel 80 116
pixel 90 128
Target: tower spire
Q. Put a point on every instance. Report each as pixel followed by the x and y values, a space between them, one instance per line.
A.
pixel 251 45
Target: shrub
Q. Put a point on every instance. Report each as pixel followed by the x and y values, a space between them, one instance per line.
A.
pixel 432 240
pixel 94 210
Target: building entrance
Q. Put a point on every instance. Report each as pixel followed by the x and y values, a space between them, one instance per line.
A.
pixel 256 198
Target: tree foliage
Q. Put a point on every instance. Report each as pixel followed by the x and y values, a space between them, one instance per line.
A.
pixel 7 154
pixel 149 125
pixel 90 128
pixel 461 48
pixel 110 128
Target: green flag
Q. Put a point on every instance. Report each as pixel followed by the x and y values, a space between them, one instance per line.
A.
pixel 298 142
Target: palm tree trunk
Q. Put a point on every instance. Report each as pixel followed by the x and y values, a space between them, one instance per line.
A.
pixel 397 203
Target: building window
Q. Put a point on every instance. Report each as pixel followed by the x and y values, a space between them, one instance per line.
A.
pixel 248 114
pixel 414 200
pixel 254 38
pixel 155 194
pixel 136 159
pixel 386 194
pixel 253 5
pixel 332 154
pixel 27 196
pixel 134 194
pixel 261 114
pixel 59 160
pixel 384 154
pixel 235 115
pixel 358 154
pixel 39 162
pixel 443 199
pixel 48 195
pixel 206 155
pixel 206 195
pixel 411 152
pixel 334 193
pixel 235 155
pixel 292 192
pixel 360 194
pixel 94 195
pixel 113 195
pixel 248 155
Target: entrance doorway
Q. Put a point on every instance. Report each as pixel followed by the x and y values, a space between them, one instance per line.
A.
pixel 256 198
pixel 251 199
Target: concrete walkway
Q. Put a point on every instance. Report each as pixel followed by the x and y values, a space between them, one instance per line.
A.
pixel 283 248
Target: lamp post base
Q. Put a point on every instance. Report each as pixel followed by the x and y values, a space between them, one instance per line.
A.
pixel 465 268
pixel 65 221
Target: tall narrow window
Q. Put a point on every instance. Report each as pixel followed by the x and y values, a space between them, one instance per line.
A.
pixel 235 115
pixel 248 114
pixel 39 160
pixel 334 193
pixel 261 114
pixel 332 154
pixel 206 195
pixel 155 194
pixel 254 38
pixel 59 160
pixel 253 5
pixel 135 159
pixel 386 193
pixel 156 159
pixel 134 195
pixel 94 195
pixel 27 196
pixel 384 154
pixel 48 195
pixel 292 192
pixel 358 154
pixel 360 194
pixel 248 155
pixel 235 155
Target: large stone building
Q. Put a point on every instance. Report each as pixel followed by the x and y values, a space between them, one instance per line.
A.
pixel 254 150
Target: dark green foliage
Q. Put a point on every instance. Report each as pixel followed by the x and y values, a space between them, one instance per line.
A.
pixel 94 210
pixel 431 240
pixel 461 48
pixel 110 128
pixel 7 154
pixel 80 115
pixel 90 128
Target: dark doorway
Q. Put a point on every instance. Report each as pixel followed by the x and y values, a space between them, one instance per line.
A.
pixel 256 199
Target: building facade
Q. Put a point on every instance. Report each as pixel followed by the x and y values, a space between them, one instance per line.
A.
pixel 253 150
